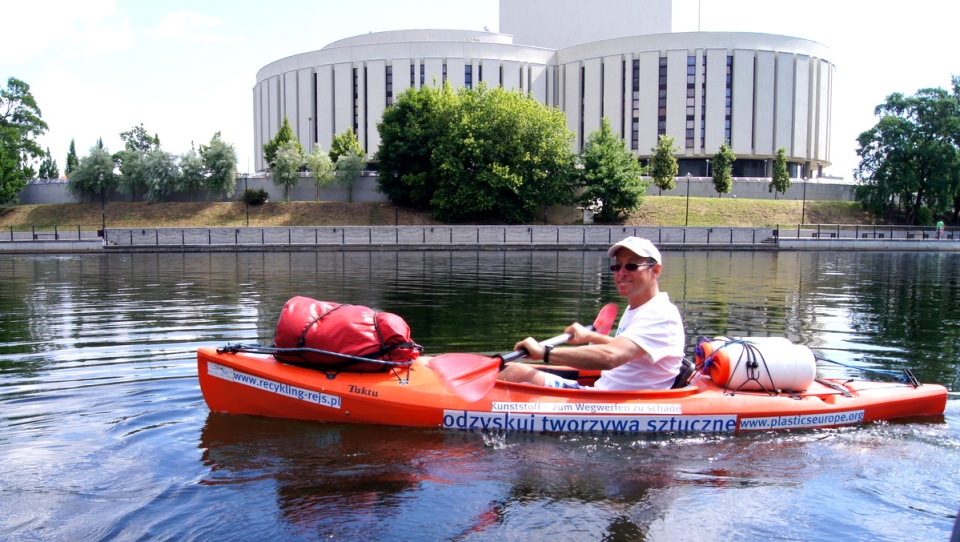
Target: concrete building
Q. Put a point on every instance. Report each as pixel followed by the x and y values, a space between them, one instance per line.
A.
pixel 604 58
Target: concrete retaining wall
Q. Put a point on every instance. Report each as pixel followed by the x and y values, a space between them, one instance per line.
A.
pixel 51 247
pixel 365 190
pixel 474 238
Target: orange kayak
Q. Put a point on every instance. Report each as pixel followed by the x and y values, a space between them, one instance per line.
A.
pixel 414 396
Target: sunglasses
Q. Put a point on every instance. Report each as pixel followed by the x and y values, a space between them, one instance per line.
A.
pixel 630 266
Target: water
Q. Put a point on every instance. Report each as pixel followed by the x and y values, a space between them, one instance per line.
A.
pixel 104 434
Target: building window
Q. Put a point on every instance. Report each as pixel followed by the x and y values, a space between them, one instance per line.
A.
pixel 691 99
pixel 444 72
pixel 356 100
pixel 703 107
pixel 413 71
pixel 389 76
pixel 662 109
pixel 423 74
pixel 729 101
pixel 468 76
pixel 635 116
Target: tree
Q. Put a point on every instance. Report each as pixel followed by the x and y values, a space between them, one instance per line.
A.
pixel 780 182
pixel 612 177
pixel 663 165
pixel 72 160
pixel 343 143
pixel 10 183
pixel 48 167
pixel 20 125
pixel 286 167
pixel 137 139
pixel 910 157
pixel 321 167
pixel 220 163
pixel 191 173
pixel 162 174
pixel 477 154
pixel 137 144
pixel 417 120
pixel 283 136
pixel 133 177
pixel 349 168
pixel 722 163
pixel 85 182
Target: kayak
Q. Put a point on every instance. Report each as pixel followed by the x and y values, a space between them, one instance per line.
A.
pixel 413 394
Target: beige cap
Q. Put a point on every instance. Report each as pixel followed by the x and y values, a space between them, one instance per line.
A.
pixel 639 246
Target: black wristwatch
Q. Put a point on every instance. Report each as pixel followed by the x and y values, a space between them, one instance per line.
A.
pixel 546 353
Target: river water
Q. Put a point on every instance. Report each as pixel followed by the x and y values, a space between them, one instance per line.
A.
pixel 104 434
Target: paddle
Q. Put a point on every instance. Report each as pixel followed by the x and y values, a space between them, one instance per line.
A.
pixel 471 376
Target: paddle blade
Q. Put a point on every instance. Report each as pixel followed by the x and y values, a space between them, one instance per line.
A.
pixel 468 376
pixel 605 319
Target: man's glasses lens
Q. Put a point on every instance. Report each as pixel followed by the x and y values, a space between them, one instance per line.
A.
pixel 629 267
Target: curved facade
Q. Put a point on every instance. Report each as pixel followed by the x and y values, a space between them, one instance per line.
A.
pixel 760 92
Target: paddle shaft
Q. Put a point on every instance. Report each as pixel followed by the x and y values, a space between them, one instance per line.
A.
pixel 471 376
pixel 553 341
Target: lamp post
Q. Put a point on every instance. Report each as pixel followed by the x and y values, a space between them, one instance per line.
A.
pixel 103 212
pixel 803 206
pixel 246 203
pixel 686 221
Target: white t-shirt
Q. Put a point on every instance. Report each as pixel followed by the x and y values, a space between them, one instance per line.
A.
pixel 656 327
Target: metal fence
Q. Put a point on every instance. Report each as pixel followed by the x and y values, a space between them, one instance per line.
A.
pixel 527 237
pixel 855 231
pixel 50 233
pixel 444 236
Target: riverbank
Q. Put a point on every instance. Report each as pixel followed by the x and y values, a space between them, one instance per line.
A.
pixel 656 211
pixel 478 238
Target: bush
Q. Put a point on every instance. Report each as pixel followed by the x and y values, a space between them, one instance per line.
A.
pixel 254 197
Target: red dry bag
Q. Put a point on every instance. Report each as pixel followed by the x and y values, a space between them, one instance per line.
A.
pixel 327 335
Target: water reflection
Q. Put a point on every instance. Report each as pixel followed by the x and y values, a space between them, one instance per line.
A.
pixel 105 434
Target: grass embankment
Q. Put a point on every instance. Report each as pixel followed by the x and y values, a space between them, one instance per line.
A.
pixel 656 211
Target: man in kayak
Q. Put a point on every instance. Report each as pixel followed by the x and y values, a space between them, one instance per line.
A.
pixel 647 351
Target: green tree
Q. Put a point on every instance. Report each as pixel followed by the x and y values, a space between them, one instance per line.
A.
pixel 162 174
pixel 220 163
pixel 722 163
pixel 137 139
pixel 133 178
pixel 910 157
pixel 663 165
pixel 48 167
pixel 345 142
pixel 72 160
pixel 20 125
pixel 137 143
pixel 321 167
pixel 192 174
pixel 780 182
pixel 348 170
pixel 10 184
pixel 282 137
pixel 477 154
pixel 409 128
pixel 286 167
pixel 86 182
pixel 612 177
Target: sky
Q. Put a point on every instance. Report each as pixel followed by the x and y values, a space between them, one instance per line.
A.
pixel 186 70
